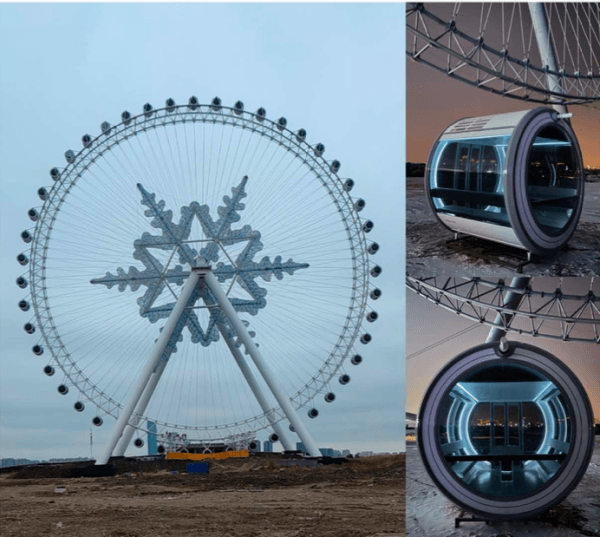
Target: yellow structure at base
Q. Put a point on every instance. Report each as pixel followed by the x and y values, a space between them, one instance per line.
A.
pixel 172 455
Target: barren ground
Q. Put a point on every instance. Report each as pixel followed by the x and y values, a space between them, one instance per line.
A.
pixel 241 497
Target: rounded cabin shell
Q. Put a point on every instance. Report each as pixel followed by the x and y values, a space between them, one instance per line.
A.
pixel 506 435
pixel 514 178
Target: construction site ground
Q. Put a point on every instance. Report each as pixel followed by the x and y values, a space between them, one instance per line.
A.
pixel 250 497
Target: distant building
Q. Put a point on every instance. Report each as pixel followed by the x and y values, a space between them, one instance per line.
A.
pixel 268 446
pixel 345 452
pixel 257 445
pixel 326 452
pixel 300 447
pixel 152 442
pixel 411 420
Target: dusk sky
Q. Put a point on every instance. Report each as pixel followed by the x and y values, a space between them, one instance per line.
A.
pixel 428 324
pixel 434 101
pixel 66 68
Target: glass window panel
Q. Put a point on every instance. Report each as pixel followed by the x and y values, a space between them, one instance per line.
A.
pixel 499 424
pixel 552 180
pixel 514 426
pixel 466 179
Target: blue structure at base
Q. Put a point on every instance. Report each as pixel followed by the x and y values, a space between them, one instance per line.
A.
pixel 196 468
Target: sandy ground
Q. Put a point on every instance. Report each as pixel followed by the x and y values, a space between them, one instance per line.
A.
pixel 247 497
pixel 429 253
pixel 430 514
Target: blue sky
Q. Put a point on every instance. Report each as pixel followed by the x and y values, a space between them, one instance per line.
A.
pixel 334 69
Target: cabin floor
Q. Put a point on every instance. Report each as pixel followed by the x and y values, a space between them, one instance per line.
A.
pixel 429 513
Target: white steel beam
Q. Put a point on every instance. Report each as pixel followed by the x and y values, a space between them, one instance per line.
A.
pixel 151 364
pixel 512 301
pixel 125 439
pixel 140 409
pixel 546 48
pixel 255 387
pixel 261 364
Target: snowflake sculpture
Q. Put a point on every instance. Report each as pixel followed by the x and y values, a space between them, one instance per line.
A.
pixel 156 277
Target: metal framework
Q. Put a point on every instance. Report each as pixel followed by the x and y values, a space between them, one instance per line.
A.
pixel 308 162
pixel 551 313
pixel 492 46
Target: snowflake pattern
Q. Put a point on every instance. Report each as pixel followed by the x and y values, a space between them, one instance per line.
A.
pixel 156 277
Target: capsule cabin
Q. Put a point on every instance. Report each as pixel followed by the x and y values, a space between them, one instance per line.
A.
pixel 506 436
pixel 514 178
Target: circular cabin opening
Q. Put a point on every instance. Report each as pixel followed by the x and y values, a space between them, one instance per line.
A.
pixel 506 434
pixel 553 180
pixel 504 430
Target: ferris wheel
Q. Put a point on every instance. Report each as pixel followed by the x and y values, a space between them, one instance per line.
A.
pixel 539 52
pixel 199 272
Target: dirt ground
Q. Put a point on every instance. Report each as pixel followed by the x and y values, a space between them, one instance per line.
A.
pixel 244 497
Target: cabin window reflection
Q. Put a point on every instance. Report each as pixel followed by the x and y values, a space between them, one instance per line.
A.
pixel 467 180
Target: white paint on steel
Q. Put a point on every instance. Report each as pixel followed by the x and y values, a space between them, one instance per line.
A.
pixel 125 439
pixel 256 390
pixel 151 364
pixel 546 47
pixel 261 364
pixel 512 300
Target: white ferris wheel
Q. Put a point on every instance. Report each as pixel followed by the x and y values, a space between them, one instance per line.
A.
pixel 200 272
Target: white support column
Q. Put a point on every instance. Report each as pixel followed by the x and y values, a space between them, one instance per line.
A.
pixel 547 53
pixel 261 364
pixel 511 301
pixel 153 361
pixel 248 375
pixel 125 439
pixel 255 387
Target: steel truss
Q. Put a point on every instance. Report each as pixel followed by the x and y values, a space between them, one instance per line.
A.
pixel 540 313
pixel 459 45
